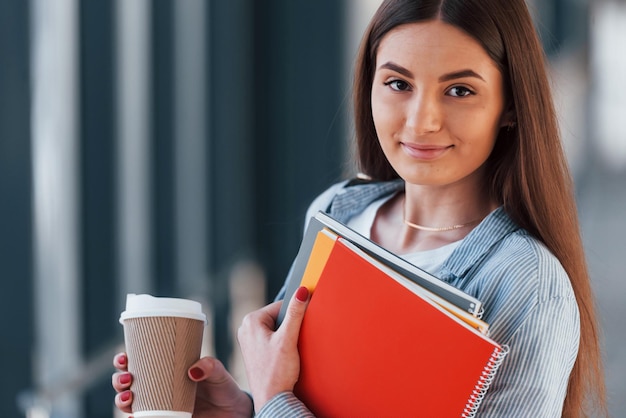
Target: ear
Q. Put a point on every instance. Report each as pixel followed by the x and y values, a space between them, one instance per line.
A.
pixel 507 119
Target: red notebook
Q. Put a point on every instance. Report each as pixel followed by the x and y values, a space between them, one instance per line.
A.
pixel 369 347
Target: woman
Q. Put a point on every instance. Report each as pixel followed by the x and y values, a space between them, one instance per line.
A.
pixel 457 133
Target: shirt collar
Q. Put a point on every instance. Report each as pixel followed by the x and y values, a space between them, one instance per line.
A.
pixel 477 244
pixel 354 198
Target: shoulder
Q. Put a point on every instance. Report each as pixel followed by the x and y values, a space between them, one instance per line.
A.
pixel 509 270
pixel 522 284
pixel 524 262
pixel 324 199
pixel 347 198
pixel 499 256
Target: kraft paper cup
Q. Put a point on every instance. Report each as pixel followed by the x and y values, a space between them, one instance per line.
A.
pixel 163 338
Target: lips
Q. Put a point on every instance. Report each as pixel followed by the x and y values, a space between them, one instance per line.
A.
pixel 425 151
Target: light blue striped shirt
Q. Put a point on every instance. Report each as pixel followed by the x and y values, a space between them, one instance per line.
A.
pixel 528 302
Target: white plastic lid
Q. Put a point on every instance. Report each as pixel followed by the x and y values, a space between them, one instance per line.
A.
pixel 139 306
pixel 161 414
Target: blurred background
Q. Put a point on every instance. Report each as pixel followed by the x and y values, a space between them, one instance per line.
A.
pixel 172 146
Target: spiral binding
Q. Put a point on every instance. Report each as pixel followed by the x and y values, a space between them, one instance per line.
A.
pixel 484 381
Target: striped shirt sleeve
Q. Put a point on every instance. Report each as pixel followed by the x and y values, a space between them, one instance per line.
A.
pixel 285 404
pixel 532 380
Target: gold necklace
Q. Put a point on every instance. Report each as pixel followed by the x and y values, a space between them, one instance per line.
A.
pixel 435 229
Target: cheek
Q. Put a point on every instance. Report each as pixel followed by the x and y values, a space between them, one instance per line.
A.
pixel 377 112
pixel 479 130
pixel 380 125
pixel 477 138
pixel 385 111
pixel 386 122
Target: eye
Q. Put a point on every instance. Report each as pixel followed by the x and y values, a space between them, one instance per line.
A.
pixel 398 85
pixel 460 91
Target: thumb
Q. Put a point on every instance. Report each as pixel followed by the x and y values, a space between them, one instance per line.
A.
pixel 208 369
pixel 216 387
pixel 295 311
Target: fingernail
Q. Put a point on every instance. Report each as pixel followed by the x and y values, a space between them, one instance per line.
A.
pixel 121 360
pixel 196 373
pixel 302 294
pixel 125 378
pixel 125 396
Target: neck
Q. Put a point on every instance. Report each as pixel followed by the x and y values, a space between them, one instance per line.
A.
pixel 444 209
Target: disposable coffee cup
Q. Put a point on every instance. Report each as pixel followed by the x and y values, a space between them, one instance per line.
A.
pixel 163 338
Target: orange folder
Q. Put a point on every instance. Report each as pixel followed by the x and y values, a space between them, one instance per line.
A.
pixel 320 252
pixel 369 347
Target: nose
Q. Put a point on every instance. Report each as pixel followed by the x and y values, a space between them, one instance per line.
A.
pixel 425 115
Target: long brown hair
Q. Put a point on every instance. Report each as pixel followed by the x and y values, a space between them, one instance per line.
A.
pixel 527 169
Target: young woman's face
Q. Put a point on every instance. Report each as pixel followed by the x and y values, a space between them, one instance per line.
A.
pixel 437 103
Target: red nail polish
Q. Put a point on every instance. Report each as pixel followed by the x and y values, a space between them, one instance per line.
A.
pixel 196 373
pixel 302 294
pixel 122 360
pixel 125 396
pixel 125 378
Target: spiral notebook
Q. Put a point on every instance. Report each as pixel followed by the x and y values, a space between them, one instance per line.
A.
pixel 370 347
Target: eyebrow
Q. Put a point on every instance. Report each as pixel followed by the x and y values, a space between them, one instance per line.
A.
pixel 461 74
pixel 397 68
pixel 446 77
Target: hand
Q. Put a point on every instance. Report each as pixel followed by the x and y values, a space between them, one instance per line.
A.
pixel 271 357
pixel 218 395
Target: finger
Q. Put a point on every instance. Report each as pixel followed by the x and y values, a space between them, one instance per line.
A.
pixel 121 381
pixel 120 361
pixel 124 401
pixel 206 368
pixel 295 312
pixel 211 373
pixel 261 320
pixel 272 309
